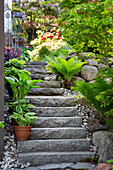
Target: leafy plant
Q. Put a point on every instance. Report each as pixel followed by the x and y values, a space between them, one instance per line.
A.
pixel 88 24
pixel 99 94
pixel 21 106
pixel 14 63
pixel 65 69
pixel 1 124
pixel 21 112
pixel 22 85
pixel 25 120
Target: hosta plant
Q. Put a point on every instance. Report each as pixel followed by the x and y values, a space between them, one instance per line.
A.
pixel 65 69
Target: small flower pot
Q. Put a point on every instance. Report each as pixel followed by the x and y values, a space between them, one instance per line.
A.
pixel 22 132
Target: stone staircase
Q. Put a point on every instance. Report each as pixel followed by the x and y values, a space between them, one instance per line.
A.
pixel 57 137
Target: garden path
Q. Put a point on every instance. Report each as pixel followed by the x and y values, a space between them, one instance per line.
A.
pixel 58 135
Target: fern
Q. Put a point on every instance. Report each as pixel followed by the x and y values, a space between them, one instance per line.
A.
pixel 66 69
pixel 91 90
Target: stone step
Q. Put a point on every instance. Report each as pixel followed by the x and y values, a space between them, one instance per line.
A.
pixel 52 122
pixel 51 101
pixel 49 84
pixel 35 63
pixel 41 158
pixel 56 145
pixel 46 91
pixel 40 76
pixel 55 111
pixel 37 70
pixel 58 133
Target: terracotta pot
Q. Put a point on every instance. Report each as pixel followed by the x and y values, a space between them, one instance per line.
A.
pixel 22 132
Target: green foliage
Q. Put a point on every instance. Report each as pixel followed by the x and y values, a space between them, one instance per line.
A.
pixel 100 94
pixel 88 24
pixel 43 52
pixel 14 63
pixel 65 69
pixel 21 112
pixel 1 124
pixel 90 91
pixel 20 106
pixel 25 120
pixel 22 85
pixel 110 161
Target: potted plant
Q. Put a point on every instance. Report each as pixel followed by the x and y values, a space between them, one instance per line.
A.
pixel 23 117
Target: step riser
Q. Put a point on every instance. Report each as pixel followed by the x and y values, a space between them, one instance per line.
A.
pixel 46 91
pixel 49 84
pixel 58 122
pixel 36 63
pixel 57 133
pixel 51 102
pixel 55 111
pixel 39 76
pixel 54 145
pixel 37 70
pixel 41 159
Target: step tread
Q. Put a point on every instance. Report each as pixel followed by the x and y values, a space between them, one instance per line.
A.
pixel 55 111
pixel 41 158
pixel 54 145
pixel 52 101
pixel 58 133
pixel 46 91
pixel 58 122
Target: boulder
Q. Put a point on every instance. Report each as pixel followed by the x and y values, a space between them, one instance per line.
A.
pixel 102 66
pixel 110 61
pixel 94 125
pixel 92 62
pixel 104 166
pixel 102 140
pixel 89 72
pixel 76 78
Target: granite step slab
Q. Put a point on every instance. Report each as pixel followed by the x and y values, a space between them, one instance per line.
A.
pixel 55 111
pixel 37 70
pixel 49 84
pixel 43 63
pixel 40 76
pixel 56 145
pixel 51 101
pixel 41 158
pixel 46 91
pixel 52 122
pixel 58 133
pixel 61 166
pixel 82 165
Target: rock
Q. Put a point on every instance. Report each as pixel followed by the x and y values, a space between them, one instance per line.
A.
pixel 83 166
pixel 60 166
pixel 94 125
pixel 76 78
pixel 104 166
pixel 71 53
pixel 111 66
pixel 102 66
pixel 102 140
pixel 86 55
pixel 110 61
pixel 92 62
pixel 89 72
pixel 82 101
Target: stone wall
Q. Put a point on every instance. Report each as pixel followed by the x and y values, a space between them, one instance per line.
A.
pixel 91 68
